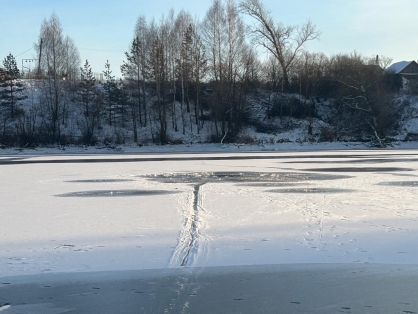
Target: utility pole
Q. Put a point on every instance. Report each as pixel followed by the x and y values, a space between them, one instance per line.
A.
pixel 27 60
pixel 39 61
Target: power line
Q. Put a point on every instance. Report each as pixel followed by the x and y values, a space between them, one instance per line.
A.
pixel 25 51
pixel 98 49
pixel 80 48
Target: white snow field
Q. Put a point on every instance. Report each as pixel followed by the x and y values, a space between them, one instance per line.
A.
pixel 184 215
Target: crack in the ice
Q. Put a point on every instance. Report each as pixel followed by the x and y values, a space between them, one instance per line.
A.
pixel 193 231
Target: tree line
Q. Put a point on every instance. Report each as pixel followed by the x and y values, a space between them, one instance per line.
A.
pixel 181 73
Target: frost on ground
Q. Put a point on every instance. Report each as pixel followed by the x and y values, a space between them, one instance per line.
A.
pixel 163 211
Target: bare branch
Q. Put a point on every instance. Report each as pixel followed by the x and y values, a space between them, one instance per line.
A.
pixel 284 42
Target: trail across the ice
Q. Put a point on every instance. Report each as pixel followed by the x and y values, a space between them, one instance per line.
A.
pixel 188 246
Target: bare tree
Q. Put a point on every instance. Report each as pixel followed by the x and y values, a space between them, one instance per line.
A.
pixel 363 91
pixel 271 77
pixel 181 54
pixel 142 37
pixel 223 34
pixel 58 55
pixel 158 61
pixel 285 42
pixel 199 70
pixel 214 38
pixel 71 69
pixel 58 59
pixel 251 75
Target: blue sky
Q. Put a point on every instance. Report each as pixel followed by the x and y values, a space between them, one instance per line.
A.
pixel 103 29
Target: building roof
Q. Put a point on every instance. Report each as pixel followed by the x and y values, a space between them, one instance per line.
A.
pixel 397 67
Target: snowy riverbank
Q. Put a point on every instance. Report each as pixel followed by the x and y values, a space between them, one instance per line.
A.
pixel 200 148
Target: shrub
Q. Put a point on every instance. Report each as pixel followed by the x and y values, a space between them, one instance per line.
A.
pixel 327 134
pixel 410 136
pixel 246 139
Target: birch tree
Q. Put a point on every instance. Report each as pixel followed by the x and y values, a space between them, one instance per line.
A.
pixel 58 60
pixel 223 34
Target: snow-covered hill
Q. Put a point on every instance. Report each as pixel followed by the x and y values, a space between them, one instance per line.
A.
pixel 263 127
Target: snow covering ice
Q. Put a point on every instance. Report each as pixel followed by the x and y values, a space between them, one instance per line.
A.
pixel 171 207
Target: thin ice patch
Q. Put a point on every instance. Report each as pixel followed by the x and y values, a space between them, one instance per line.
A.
pixel 401 183
pixel 116 193
pixel 360 169
pixel 311 191
pixel 240 177
pixel 99 181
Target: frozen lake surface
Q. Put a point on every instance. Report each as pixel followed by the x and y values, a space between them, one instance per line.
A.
pixel 171 213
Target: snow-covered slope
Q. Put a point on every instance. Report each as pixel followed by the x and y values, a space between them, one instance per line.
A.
pixel 261 127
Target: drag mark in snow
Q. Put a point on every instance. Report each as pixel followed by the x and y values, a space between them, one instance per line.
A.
pixel 321 228
pixel 187 247
pixel 193 231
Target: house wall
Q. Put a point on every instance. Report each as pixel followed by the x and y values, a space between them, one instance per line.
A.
pixel 410 78
pixel 412 68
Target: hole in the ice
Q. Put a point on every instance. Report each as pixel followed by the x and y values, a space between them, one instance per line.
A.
pixel 273 184
pixel 360 169
pixel 116 193
pixel 401 183
pixel 9 159
pixel 359 161
pixel 100 181
pixel 247 177
pixel 403 174
pixel 311 190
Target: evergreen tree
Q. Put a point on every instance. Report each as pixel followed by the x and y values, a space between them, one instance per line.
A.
pixel 87 88
pixel 136 70
pixel 90 102
pixel 111 94
pixel 11 89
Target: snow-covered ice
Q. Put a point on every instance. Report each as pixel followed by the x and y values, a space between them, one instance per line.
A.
pixel 223 229
pixel 63 214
